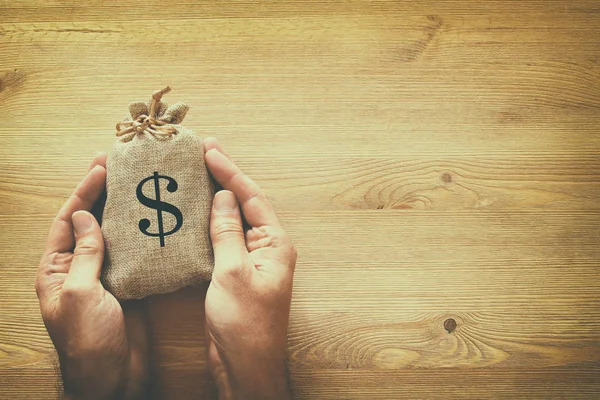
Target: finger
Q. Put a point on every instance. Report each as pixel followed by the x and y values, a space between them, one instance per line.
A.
pixel 60 238
pixel 100 160
pixel 89 251
pixel 98 207
pixel 257 209
pixel 226 233
pixel 213 143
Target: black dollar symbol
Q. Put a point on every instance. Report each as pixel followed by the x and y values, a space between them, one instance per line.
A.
pixel 159 206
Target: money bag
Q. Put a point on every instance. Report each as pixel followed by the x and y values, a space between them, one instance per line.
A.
pixel 158 201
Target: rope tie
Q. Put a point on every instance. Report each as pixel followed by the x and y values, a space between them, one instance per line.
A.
pixel 148 123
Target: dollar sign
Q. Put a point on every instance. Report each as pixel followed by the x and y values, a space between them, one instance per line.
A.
pixel 159 206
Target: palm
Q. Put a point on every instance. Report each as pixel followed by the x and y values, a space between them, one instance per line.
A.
pixel 109 329
pixel 225 309
pixel 102 309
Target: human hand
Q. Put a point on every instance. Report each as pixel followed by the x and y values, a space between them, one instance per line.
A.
pixel 248 300
pixel 102 347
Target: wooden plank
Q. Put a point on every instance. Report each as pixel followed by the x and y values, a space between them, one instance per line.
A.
pixel 492 95
pixel 447 384
pixel 554 181
pixel 40 11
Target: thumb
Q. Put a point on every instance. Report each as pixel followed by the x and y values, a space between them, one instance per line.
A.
pixel 227 234
pixel 89 251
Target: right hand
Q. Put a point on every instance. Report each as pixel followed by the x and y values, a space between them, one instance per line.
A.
pixel 248 300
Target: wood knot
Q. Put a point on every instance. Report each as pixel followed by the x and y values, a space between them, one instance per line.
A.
pixel 450 325
pixel 10 79
pixel 447 178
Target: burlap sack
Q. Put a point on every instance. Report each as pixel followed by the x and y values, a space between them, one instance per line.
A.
pixel 158 201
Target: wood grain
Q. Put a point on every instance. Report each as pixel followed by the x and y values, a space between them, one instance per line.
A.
pixel 436 163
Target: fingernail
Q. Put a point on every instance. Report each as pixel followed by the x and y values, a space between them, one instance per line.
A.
pixel 82 222
pixel 225 201
pixel 212 150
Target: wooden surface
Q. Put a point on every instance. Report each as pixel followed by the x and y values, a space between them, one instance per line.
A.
pixel 431 160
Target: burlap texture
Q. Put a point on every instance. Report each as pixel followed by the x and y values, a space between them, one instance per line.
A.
pixel 135 264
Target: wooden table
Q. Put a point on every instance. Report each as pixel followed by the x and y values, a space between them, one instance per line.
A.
pixel 433 161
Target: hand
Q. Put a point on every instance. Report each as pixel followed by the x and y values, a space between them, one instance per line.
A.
pixel 101 346
pixel 248 300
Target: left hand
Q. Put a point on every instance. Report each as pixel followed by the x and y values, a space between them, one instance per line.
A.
pixel 102 346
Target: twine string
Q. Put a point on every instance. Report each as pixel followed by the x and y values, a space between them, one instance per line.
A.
pixel 148 123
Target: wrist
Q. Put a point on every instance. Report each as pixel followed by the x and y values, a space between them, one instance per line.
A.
pixel 252 380
pixel 83 379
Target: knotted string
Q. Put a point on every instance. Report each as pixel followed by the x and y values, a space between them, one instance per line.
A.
pixel 148 123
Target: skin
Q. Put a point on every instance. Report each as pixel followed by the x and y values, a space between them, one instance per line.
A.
pixel 103 345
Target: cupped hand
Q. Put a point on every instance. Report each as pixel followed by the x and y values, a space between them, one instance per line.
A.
pixel 248 300
pixel 102 346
